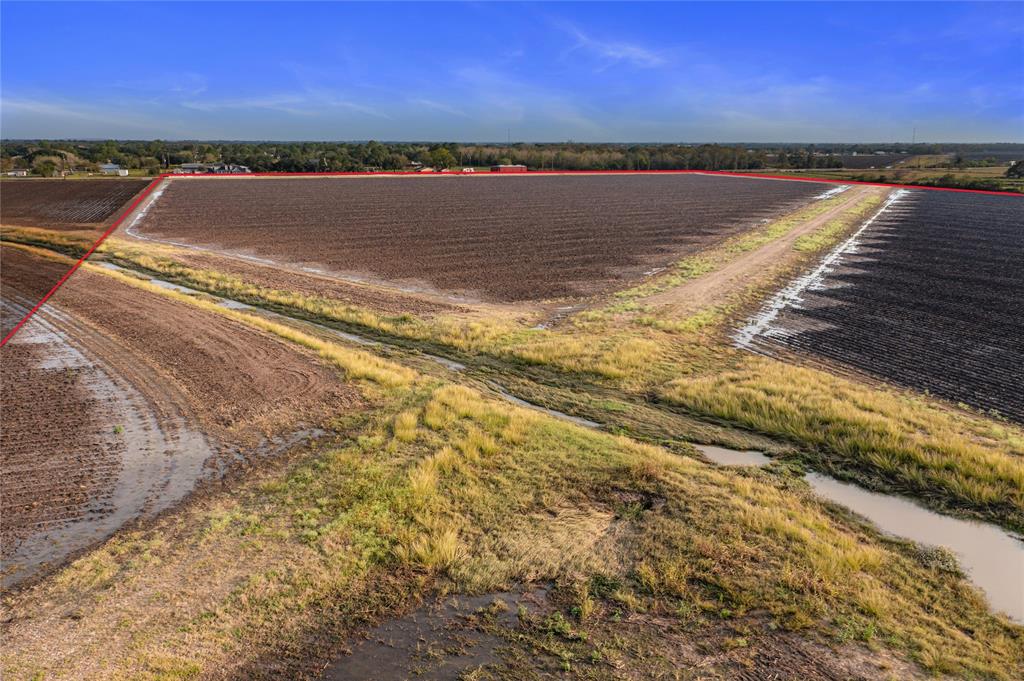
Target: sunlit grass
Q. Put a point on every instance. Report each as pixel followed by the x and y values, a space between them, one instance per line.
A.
pixel 355 363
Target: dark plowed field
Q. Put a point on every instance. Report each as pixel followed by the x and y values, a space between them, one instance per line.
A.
pixel 64 204
pixel 933 299
pixel 500 238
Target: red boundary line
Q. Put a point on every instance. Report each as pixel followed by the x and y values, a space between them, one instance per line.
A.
pixel 355 173
pixel 729 173
pixel 60 282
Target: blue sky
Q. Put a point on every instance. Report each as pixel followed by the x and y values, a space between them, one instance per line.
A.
pixel 546 72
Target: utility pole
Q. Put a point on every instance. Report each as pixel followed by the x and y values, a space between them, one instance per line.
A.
pixel 913 138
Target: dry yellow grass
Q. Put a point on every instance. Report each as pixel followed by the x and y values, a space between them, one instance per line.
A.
pixel 355 363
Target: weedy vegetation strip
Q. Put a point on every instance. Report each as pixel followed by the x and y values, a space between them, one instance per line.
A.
pixel 887 440
pixel 355 363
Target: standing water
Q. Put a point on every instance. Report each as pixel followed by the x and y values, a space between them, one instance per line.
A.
pixel 992 559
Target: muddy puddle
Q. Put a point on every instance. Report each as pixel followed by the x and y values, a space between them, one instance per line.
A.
pixel 437 642
pixel 506 395
pixel 157 461
pixel 449 364
pixel 991 558
pixel 835 191
pixel 733 457
pixel 154 455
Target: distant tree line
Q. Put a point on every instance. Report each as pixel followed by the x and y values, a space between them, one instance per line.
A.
pixel 47 157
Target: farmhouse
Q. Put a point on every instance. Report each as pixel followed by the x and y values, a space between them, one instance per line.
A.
pixel 508 168
pixel 17 173
pixel 113 169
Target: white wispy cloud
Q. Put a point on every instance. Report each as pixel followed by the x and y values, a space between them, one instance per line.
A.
pixel 172 84
pixel 613 51
pixel 285 103
pixel 83 117
pixel 437 106
pixel 308 103
pixel 506 100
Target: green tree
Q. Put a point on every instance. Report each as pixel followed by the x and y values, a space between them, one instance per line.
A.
pixel 442 158
pixel 45 168
pixel 1016 170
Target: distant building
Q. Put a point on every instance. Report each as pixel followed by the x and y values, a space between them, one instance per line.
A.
pixel 425 169
pixel 469 170
pixel 113 169
pixel 212 168
pixel 508 169
pixel 17 173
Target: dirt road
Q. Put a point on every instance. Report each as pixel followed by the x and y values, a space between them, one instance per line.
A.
pixel 718 286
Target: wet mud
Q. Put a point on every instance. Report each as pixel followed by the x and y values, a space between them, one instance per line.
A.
pixel 436 642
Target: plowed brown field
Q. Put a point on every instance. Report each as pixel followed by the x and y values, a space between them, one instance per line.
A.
pixel 118 401
pixel 64 204
pixel 58 453
pixel 503 239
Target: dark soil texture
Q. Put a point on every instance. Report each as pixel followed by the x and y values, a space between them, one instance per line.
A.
pixel 64 204
pixel 497 238
pixel 58 452
pixel 117 402
pixel 932 299
pixel 27 290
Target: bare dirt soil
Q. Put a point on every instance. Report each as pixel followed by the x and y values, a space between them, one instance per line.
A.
pixel 64 204
pixel 27 289
pixel 311 284
pixel 508 636
pixel 500 239
pixel 118 401
pixel 236 377
pixel 59 451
